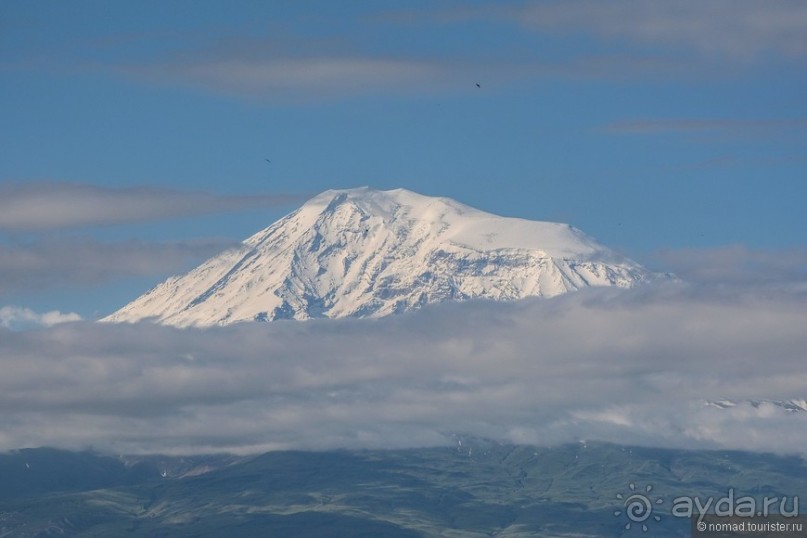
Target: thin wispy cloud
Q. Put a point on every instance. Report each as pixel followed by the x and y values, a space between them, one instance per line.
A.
pixel 738 265
pixel 628 39
pixel 685 125
pixel 290 77
pixel 322 76
pixel 49 264
pixel 626 366
pixel 44 205
pixel 736 29
pixel 16 317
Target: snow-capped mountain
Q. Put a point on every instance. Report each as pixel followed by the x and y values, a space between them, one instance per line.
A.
pixel 368 253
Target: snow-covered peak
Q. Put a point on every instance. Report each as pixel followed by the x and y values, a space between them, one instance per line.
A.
pixel 364 252
pixel 444 219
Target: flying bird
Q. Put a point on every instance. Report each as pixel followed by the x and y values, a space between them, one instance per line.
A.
pixel 267 160
pixel 478 85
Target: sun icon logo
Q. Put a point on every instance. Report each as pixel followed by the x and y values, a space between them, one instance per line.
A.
pixel 638 507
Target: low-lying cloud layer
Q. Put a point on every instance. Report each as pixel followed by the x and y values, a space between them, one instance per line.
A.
pixel 630 366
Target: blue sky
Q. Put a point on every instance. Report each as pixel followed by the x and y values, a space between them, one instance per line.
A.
pixel 654 126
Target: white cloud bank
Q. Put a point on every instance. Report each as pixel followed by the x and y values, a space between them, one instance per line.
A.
pixel 625 366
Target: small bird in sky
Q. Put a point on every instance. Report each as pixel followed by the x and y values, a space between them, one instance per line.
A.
pixel 267 160
pixel 478 85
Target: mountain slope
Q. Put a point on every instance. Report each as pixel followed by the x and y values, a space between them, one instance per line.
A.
pixel 368 253
pixel 476 490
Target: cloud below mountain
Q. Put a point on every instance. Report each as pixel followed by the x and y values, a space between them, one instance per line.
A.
pixel 630 366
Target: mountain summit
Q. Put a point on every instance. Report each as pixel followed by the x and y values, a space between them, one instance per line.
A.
pixel 369 253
